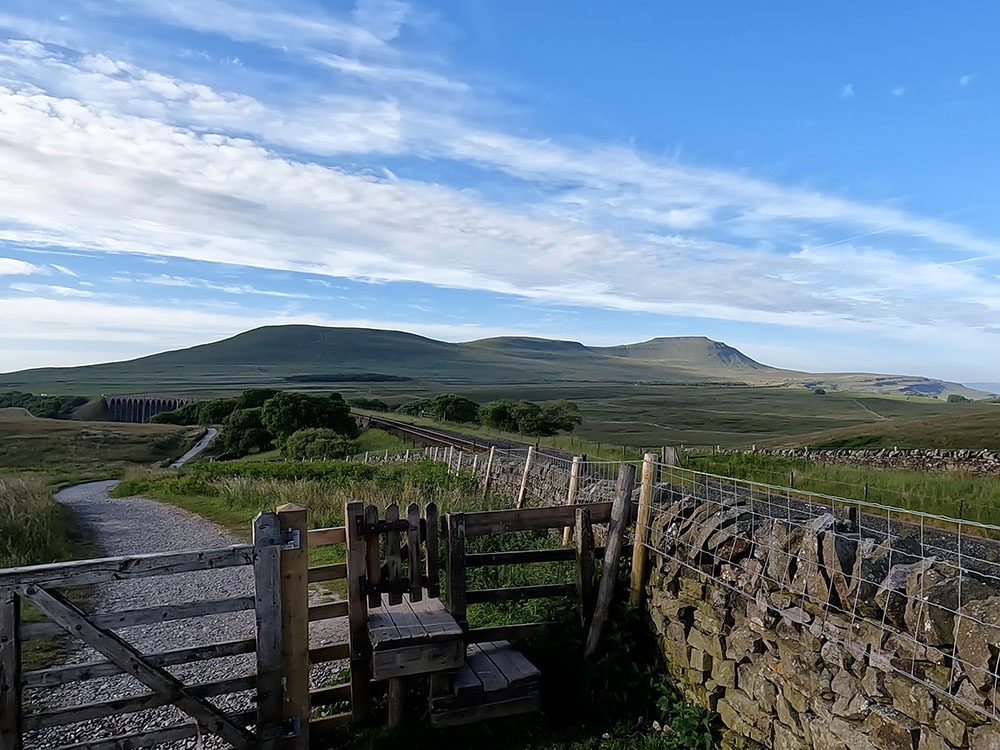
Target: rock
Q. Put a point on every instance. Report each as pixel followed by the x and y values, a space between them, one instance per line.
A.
pixel 986 737
pixel 950 726
pixel 839 554
pixel 888 729
pixel 974 639
pixel 911 698
pixel 932 741
pixel 891 594
pixel 786 739
pixel 724 672
pixel 933 601
pixel 810 574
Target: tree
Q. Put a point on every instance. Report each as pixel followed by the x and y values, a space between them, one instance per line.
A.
pixel 214 411
pixel 561 416
pixel 414 408
pixel 499 415
pixel 450 407
pixel 820 391
pixel 255 397
pixel 955 398
pixel 315 443
pixel 289 412
pixel 529 417
pixel 372 404
pixel 243 432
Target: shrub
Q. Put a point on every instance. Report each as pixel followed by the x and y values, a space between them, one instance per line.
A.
pixel 315 443
pixel 450 407
pixel 414 408
pixel 955 398
pixel 820 391
pixel 372 404
pixel 243 432
pixel 289 412
pixel 34 528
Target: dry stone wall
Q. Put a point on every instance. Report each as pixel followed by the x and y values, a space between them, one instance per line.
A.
pixel 979 462
pixel 803 633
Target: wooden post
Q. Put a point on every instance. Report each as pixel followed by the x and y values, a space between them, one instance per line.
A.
pixel 458 462
pixel 455 567
pixel 475 463
pixel 267 599
pixel 413 548
pixel 295 624
pixel 574 484
pixel 522 493
pixel 639 553
pixel 489 472
pixel 397 705
pixel 393 558
pixel 612 551
pixel 357 612
pixel 451 455
pixel 584 565
pixel 432 551
pixel 366 456
pixel 10 670
pixel 373 556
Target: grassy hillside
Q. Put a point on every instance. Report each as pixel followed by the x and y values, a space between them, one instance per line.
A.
pixel 313 356
pixel 93 448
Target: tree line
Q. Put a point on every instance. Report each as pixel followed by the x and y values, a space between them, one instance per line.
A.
pixel 48 407
pixel 524 417
pixel 302 425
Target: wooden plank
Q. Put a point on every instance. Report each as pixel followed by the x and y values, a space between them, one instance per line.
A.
pixel 483 667
pixel 464 682
pixel 334 572
pixel 153 737
pixel 522 493
pixel 54 676
pixel 512 664
pixel 413 545
pixel 455 584
pixel 406 621
pixel 267 598
pixel 584 566
pixel 357 612
pixel 429 656
pixel 333 652
pixel 146 616
pixel 489 522
pixel 382 631
pixel 295 626
pixel 104 570
pixel 133 704
pixel 472 714
pixel 436 619
pixel 327 537
pixel 397 695
pixel 612 552
pixel 519 557
pixel 373 555
pixel 393 562
pixel 323 729
pixel 10 670
pixel 519 593
pixel 640 535
pixel 432 551
pixel 328 611
pixel 523 631
pixel 574 484
pixel 334 694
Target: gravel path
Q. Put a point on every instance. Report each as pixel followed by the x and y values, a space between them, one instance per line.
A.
pixel 197 448
pixel 139 525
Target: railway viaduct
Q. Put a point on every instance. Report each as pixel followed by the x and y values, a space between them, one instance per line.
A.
pixel 141 408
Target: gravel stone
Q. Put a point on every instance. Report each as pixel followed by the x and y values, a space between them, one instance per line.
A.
pixel 138 525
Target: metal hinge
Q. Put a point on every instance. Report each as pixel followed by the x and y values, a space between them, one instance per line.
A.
pixel 290 539
pixel 285 730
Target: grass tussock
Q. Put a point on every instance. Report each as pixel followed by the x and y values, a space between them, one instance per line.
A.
pixel 34 528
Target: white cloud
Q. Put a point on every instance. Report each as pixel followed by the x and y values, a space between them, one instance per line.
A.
pixel 15 267
pixel 964 81
pixel 847 91
pixel 898 91
pixel 59 291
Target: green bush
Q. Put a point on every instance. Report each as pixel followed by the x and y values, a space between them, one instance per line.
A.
pixel 450 407
pixel 289 412
pixel 315 443
pixel 955 398
pixel 243 432
pixel 48 407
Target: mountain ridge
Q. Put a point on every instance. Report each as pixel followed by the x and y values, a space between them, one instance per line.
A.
pixel 276 354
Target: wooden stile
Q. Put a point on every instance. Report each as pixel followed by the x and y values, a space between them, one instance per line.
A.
pixel 10 670
pixel 616 533
pixel 413 547
pixel 639 553
pixel 393 561
pixel 523 492
pixel 574 485
pixel 432 551
pixel 267 597
pixel 295 626
pixel 357 612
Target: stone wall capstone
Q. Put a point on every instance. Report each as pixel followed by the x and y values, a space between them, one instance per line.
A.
pixel 978 462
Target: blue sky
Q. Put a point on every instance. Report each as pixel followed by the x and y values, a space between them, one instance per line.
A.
pixel 812 183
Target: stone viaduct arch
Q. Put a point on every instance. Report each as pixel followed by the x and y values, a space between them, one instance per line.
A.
pixel 141 408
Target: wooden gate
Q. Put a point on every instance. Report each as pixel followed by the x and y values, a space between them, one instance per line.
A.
pixel 278 556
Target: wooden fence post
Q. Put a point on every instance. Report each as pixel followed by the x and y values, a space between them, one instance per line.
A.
pixel 584 564
pixel 522 493
pixel 295 624
pixel 357 611
pixel 455 567
pixel 458 462
pixel 267 600
pixel 489 472
pixel 639 553
pixel 451 455
pixel 620 510
pixel 475 463
pixel 574 484
pixel 10 670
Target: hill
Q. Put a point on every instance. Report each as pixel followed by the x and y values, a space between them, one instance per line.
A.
pixel 286 355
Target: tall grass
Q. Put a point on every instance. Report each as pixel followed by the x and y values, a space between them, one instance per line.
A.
pixel 34 528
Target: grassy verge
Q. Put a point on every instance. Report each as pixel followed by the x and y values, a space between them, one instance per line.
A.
pixel 955 495
pixel 379 441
